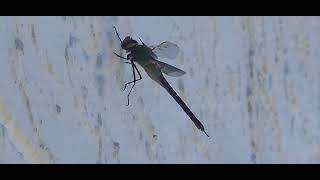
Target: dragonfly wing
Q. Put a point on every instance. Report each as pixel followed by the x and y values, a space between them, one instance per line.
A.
pixel 166 50
pixel 153 55
pixel 169 70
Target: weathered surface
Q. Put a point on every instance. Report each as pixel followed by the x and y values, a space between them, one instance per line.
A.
pixel 252 81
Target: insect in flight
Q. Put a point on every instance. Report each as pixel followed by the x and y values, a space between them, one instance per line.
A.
pixel 147 58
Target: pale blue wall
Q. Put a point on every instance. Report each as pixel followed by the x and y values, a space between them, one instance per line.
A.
pixel 252 81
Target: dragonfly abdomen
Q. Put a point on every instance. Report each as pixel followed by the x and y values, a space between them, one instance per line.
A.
pixel 186 109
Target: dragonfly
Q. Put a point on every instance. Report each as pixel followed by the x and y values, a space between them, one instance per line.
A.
pixel 147 58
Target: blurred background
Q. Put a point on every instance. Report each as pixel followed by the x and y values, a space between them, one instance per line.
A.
pixel 252 81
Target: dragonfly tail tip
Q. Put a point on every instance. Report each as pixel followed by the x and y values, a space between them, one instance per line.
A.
pixel 206 133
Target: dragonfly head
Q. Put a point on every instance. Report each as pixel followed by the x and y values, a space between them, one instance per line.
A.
pixel 129 43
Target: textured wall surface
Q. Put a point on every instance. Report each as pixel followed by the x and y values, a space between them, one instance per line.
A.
pixel 252 81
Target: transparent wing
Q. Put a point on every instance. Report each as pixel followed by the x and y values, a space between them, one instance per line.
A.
pixel 166 50
pixel 169 70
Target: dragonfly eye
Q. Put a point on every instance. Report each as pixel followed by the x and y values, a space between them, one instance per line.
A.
pixel 131 44
pixel 128 43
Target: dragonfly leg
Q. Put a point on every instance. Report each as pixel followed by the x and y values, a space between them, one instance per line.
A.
pixel 141 41
pixel 125 86
pixel 126 58
pixel 134 67
pixel 140 77
pixel 134 80
pixel 118 35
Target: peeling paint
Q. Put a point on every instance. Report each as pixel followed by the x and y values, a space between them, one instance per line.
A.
pixel 29 151
pixel 33 35
pixel 19 44
pixel 116 149
pixel 26 100
pixel 73 41
pixel 58 108
pixel 100 80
